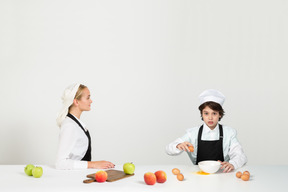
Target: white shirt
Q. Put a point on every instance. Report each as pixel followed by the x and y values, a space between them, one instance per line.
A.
pixel 73 144
pixel 232 150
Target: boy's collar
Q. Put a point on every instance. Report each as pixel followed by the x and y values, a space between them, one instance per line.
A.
pixel 206 129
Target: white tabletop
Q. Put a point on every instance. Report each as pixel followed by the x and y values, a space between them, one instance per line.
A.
pixel 263 178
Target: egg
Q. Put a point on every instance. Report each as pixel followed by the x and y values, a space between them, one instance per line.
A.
pixel 238 174
pixel 191 148
pixel 245 177
pixel 180 177
pixel 246 173
pixel 175 171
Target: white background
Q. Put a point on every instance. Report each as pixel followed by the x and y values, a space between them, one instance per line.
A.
pixel 145 63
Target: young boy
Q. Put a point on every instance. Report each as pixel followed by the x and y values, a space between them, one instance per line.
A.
pixel 211 141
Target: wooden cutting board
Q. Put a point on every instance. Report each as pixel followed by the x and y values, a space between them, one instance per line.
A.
pixel 113 175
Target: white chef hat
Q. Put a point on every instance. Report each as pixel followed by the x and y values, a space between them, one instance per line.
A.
pixel 212 95
pixel 67 99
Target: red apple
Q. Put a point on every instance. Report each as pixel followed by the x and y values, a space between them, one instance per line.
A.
pixel 161 176
pixel 101 176
pixel 150 178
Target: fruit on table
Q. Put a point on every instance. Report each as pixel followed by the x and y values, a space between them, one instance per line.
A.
pixel 175 171
pixel 161 176
pixel 191 148
pixel 245 177
pixel 180 177
pixel 150 178
pixel 129 168
pixel 37 172
pixel 101 176
pixel 28 169
pixel 238 174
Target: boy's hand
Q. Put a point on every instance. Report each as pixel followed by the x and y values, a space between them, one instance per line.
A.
pixel 226 166
pixel 184 146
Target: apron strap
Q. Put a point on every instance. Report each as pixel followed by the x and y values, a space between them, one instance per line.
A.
pixel 73 118
pixel 87 156
pixel 221 132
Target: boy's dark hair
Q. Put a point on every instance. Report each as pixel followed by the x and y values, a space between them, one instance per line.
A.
pixel 214 106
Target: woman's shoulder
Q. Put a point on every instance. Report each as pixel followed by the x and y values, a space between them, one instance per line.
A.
pixel 68 123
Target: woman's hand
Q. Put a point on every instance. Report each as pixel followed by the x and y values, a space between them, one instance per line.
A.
pixel 100 165
pixel 184 146
pixel 226 166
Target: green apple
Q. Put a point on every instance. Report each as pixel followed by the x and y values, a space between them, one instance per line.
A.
pixel 37 172
pixel 129 168
pixel 28 169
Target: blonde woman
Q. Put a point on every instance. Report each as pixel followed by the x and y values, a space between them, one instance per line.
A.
pixel 74 150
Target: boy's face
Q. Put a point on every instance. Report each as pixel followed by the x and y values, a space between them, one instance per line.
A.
pixel 210 117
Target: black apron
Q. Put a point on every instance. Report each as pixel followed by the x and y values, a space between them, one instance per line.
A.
pixel 210 150
pixel 87 156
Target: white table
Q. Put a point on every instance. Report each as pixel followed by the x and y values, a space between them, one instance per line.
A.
pixel 271 178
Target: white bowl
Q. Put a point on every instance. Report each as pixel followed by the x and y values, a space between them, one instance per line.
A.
pixel 209 166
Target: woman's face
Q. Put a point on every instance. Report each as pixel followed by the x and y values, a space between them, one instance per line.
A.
pixel 210 117
pixel 84 103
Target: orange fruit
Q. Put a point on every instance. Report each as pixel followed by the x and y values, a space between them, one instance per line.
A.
pixel 180 177
pixel 238 174
pixel 175 171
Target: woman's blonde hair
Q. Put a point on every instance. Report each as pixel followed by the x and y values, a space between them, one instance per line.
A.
pixel 78 94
